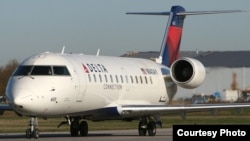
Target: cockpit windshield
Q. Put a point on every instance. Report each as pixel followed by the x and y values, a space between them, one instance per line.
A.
pixel 23 70
pixel 42 70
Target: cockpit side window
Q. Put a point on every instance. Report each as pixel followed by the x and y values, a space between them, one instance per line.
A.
pixel 41 70
pixel 60 70
pixel 23 70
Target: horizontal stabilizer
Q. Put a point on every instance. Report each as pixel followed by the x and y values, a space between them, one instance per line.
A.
pixel 188 12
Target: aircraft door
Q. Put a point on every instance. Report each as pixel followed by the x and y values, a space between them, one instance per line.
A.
pixel 79 80
pixel 82 85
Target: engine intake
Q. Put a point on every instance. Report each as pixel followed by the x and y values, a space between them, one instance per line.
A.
pixel 188 72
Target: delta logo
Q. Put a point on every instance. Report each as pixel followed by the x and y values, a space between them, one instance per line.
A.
pixel 94 68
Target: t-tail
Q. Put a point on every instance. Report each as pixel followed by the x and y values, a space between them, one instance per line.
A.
pixel 170 48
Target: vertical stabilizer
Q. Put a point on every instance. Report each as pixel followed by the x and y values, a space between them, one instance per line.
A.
pixel 172 38
pixel 170 48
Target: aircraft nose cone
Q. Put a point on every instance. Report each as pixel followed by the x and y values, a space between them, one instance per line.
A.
pixel 21 98
pixel 18 102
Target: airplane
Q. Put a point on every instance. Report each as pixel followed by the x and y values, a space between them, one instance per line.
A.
pixel 83 87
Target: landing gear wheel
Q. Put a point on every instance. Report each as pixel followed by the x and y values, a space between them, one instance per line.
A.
pixel 28 133
pixel 142 129
pixel 74 128
pixel 151 129
pixel 36 133
pixel 83 128
pixel 32 131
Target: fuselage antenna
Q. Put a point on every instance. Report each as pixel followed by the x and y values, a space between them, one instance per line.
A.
pixel 98 51
pixel 62 52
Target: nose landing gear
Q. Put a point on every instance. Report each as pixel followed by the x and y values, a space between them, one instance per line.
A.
pixel 32 131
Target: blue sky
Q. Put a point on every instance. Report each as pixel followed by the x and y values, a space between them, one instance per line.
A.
pixel 28 27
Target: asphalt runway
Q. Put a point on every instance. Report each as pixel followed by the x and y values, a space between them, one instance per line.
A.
pixel 105 135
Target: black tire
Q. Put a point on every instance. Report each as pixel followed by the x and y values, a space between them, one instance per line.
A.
pixel 142 129
pixel 84 128
pixel 36 133
pixel 151 129
pixel 28 133
pixel 74 128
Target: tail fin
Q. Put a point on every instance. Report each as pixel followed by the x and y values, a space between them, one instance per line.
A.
pixel 170 48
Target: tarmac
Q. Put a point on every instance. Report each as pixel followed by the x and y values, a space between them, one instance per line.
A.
pixel 164 134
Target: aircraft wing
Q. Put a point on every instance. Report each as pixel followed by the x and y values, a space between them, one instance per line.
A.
pixel 171 109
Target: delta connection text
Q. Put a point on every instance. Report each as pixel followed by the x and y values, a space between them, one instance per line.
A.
pixel 212 134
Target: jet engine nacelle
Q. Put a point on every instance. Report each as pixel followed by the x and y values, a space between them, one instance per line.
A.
pixel 188 72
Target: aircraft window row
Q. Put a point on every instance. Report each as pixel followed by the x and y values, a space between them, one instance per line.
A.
pixel 120 79
pixel 42 70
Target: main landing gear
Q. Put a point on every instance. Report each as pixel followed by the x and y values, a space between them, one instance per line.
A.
pixel 145 127
pixel 76 128
pixel 32 131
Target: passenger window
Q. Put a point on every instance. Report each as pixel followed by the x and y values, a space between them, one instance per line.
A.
pixel 106 79
pixel 131 78
pixel 151 80
pixel 126 77
pixel 146 80
pixel 116 77
pixel 111 78
pixel 141 80
pixel 60 70
pixel 121 78
pixel 136 79
pixel 100 77
pixel 89 77
pixel 94 77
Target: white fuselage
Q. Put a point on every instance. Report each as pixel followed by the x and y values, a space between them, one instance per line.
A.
pixel 93 83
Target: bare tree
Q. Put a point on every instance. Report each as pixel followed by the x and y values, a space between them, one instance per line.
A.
pixel 5 73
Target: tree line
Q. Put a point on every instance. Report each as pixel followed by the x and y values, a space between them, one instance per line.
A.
pixel 5 73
